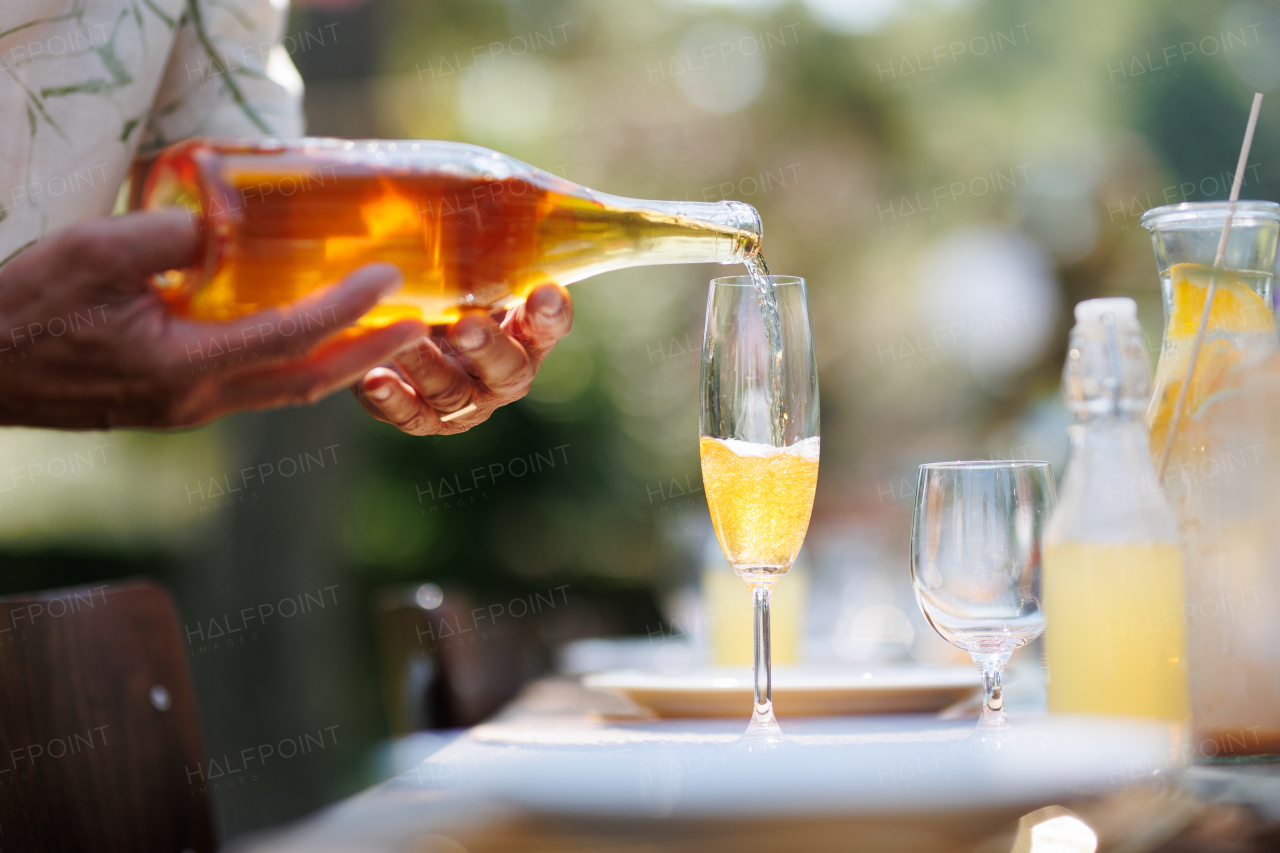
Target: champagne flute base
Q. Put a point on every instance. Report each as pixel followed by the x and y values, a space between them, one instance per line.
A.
pixel 763 725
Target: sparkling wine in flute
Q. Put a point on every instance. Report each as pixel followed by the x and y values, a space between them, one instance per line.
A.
pixel 469 227
pixel 760 498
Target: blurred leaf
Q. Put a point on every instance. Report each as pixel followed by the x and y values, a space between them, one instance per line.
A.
pixel 382 532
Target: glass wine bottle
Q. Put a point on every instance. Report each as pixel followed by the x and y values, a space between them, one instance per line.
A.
pixel 467 226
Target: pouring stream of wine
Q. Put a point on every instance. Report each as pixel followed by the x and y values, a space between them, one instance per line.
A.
pixel 768 299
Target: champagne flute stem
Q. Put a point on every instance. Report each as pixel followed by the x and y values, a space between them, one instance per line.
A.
pixel 992 668
pixel 762 719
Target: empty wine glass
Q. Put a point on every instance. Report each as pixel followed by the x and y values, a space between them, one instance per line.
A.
pixel 975 561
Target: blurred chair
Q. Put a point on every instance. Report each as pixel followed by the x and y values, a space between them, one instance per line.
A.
pixel 448 665
pixel 99 736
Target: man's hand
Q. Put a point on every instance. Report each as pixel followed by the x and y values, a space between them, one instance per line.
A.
pixel 87 343
pixel 449 383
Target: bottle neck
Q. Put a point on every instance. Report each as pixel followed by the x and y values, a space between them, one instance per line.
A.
pixel 1105 385
pixel 1111 446
pixel 1106 374
pixel 1110 492
pixel 721 232
pixel 1109 431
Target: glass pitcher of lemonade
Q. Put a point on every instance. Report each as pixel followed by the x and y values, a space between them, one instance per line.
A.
pixel 1222 471
pixel 1241 324
pixel 1113 589
pixel 467 226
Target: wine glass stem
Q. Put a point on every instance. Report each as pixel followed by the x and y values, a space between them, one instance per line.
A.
pixel 992 668
pixel 763 713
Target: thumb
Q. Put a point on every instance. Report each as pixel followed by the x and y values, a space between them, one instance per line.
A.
pixel 155 241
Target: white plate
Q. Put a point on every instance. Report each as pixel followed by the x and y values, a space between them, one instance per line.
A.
pixel 728 693
pixel 859 764
pixel 902 782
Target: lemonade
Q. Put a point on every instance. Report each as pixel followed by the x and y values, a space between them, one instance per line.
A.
pixel 1117 643
pixel 1239 321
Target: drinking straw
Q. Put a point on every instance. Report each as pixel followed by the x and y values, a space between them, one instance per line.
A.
pixel 1212 289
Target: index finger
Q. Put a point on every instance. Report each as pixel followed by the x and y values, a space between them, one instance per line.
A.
pixel 156 240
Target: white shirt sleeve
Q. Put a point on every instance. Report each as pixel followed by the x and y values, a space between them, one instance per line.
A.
pixel 227 76
pixel 82 91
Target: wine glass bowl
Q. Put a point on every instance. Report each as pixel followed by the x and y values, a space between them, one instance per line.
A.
pixel 975 559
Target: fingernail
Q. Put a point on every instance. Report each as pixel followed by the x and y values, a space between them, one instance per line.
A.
pixel 548 300
pixel 549 321
pixel 391 285
pixel 382 393
pixel 391 277
pixel 473 339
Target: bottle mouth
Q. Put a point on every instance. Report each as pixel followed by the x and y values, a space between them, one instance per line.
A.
pixel 1121 308
pixel 737 223
pixel 744 217
pixel 1206 214
pixel 744 220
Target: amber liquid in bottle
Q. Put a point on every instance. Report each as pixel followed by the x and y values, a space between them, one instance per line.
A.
pixel 286 218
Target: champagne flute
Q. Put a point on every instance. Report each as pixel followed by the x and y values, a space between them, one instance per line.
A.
pixel 759 456
pixel 975 561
